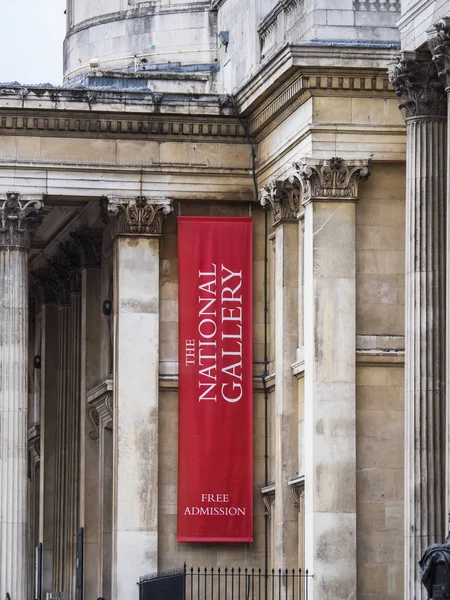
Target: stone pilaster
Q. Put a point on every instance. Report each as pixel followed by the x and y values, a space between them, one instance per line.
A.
pixel 19 216
pixel 34 451
pixel 100 411
pixel 136 224
pixel 423 101
pixel 283 198
pixel 330 192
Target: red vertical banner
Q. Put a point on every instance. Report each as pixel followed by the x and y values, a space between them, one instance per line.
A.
pixel 215 446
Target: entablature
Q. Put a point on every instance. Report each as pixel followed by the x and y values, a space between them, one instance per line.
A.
pixel 118 114
pixel 294 60
pixel 268 110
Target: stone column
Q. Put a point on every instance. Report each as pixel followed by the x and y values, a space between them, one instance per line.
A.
pixel 49 390
pixel 18 217
pixel 283 198
pixel 330 191
pixel 59 531
pixel 88 244
pixel 424 105
pixel 136 227
pixel 440 48
pixel 66 270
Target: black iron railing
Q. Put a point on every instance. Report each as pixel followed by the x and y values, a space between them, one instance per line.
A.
pixel 245 584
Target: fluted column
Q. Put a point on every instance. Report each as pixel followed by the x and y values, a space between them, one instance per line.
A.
pixel 440 48
pixel 60 508
pixel 18 216
pixel 65 269
pixel 72 463
pixel 136 225
pixel 89 245
pixel 330 193
pixel 422 99
pixel 283 197
pixel 50 359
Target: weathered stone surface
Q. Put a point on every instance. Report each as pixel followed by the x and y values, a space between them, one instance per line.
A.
pixel 417 84
pixel 425 393
pixel 19 216
pixel 136 398
pixel 330 191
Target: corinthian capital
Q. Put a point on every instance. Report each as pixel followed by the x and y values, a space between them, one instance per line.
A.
pixel 418 87
pixel 283 197
pixel 136 216
pixel 440 48
pixel 19 217
pixel 333 179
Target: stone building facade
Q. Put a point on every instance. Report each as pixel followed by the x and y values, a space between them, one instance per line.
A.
pixel 286 112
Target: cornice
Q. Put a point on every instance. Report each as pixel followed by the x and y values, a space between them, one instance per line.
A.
pixel 118 100
pixel 332 129
pixel 265 102
pixel 69 165
pixel 126 125
pixel 301 59
pixel 306 83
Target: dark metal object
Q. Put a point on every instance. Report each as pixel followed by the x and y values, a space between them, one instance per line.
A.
pixel 226 584
pixel 435 570
pixel 80 564
pixel 38 573
pixel 162 587
pixel 107 308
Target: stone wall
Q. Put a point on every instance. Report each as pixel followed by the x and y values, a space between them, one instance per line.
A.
pixel 380 275
pixel 380 480
pixel 417 20
pixel 380 280
pixel 113 35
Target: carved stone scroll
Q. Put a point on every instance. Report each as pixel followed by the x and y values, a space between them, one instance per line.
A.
pixel 136 216
pixel 333 179
pixel 19 218
pixel 283 196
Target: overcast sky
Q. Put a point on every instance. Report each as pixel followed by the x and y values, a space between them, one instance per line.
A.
pixel 31 36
